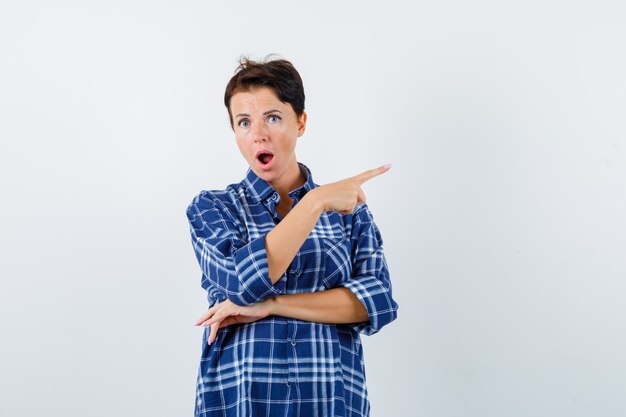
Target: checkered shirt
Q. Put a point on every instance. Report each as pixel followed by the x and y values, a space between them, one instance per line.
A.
pixel 279 366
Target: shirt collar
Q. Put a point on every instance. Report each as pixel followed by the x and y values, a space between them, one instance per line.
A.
pixel 259 189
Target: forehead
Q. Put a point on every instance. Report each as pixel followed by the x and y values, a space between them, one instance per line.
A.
pixel 258 99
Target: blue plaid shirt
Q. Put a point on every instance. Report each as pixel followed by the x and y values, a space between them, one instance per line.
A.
pixel 279 366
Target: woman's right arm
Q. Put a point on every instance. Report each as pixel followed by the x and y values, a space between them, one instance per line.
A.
pixel 231 264
pixel 245 272
pixel 283 241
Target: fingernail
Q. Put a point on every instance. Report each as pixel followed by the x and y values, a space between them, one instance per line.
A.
pixel 387 166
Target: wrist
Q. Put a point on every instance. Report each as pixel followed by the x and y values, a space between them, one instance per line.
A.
pixel 313 201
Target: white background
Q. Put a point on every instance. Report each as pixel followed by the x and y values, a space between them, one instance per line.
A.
pixel 503 214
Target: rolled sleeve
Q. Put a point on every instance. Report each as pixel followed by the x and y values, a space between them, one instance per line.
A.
pixel 237 268
pixel 370 281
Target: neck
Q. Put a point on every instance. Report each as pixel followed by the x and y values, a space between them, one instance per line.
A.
pixel 289 181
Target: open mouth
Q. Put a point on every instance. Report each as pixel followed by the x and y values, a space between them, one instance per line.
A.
pixel 265 158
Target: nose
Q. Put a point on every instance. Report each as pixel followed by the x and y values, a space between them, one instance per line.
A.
pixel 259 134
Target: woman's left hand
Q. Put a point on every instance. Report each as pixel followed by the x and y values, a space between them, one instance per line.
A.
pixel 227 313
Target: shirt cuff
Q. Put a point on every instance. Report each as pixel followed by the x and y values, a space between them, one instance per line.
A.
pixel 253 270
pixel 381 308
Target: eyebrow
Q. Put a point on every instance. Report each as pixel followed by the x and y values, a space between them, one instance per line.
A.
pixel 264 114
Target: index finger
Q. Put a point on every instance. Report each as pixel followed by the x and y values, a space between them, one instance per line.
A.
pixel 371 173
pixel 213 334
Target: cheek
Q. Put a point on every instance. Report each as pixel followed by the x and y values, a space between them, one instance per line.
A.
pixel 242 145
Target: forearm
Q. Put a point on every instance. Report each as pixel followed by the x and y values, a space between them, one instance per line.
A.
pixel 337 305
pixel 283 241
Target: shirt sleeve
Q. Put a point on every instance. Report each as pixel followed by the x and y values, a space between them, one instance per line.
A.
pixel 213 295
pixel 238 269
pixel 370 280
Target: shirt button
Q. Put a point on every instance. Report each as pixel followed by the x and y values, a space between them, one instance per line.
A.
pixel 293 342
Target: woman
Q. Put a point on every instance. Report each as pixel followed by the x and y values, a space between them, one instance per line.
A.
pixel 294 271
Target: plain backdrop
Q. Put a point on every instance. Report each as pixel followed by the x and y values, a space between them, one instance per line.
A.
pixel 502 217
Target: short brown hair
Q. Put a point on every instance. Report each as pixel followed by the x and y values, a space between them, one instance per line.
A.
pixel 279 75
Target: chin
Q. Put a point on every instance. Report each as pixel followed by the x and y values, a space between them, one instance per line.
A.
pixel 268 176
pixel 264 175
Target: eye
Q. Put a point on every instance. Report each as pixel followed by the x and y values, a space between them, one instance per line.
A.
pixel 273 118
pixel 244 123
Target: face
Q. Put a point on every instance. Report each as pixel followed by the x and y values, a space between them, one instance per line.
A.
pixel 266 130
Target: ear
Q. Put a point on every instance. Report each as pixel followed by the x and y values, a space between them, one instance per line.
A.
pixel 301 124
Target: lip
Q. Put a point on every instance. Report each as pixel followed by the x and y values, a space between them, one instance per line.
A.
pixel 259 152
pixel 269 164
